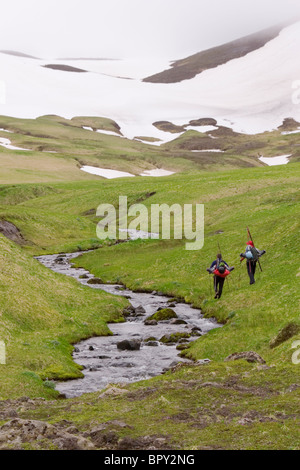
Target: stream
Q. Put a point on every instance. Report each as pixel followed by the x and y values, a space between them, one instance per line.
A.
pixel 103 362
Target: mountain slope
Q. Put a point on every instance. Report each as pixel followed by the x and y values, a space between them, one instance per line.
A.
pixel 191 66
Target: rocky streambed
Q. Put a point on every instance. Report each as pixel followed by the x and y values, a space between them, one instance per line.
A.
pixel 139 348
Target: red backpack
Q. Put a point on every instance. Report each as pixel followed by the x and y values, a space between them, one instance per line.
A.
pixel 221 270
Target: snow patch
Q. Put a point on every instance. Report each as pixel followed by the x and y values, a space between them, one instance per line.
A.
pixel 105 172
pixel 111 174
pixel 101 131
pixel 272 161
pixel 209 150
pixel 157 172
pixel 6 143
pixel 291 132
pixel 201 129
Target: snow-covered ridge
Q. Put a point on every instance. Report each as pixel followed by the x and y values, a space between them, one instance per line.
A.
pixel 254 92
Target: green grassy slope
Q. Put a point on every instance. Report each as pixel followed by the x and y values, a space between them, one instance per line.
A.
pixel 56 217
pixel 62 216
pixel 267 201
pixel 222 405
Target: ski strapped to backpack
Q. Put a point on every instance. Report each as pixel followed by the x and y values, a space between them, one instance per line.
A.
pixel 255 255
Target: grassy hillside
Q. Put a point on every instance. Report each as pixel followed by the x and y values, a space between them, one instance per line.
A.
pixel 267 201
pixel 56 217
pixel 73 147
pixel 232 405
pixel 59 147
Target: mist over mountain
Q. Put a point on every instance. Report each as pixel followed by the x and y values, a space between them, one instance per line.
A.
pixel 117 29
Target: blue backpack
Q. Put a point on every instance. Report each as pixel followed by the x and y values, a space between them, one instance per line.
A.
pixel 251 253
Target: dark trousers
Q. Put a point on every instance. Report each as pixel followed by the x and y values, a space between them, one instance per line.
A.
pixel 251 267
pixel 218 285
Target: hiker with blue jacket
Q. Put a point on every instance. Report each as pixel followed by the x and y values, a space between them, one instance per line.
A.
pixel 252 256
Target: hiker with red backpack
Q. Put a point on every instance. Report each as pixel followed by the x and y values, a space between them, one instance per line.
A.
pixel 220 269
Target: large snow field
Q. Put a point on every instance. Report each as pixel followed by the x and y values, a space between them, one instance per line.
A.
pixel 251 94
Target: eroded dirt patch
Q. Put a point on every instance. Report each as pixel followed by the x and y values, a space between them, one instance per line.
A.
pixel 9 230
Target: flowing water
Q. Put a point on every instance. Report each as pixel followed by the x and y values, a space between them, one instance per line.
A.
pixel 103 362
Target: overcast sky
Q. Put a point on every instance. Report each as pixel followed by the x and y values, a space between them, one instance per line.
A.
pixel 170 29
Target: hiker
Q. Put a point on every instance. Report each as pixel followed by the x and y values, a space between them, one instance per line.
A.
pixel 252 255
pixel 220 269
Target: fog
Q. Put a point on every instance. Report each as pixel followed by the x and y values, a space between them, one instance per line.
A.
pixel 133 28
